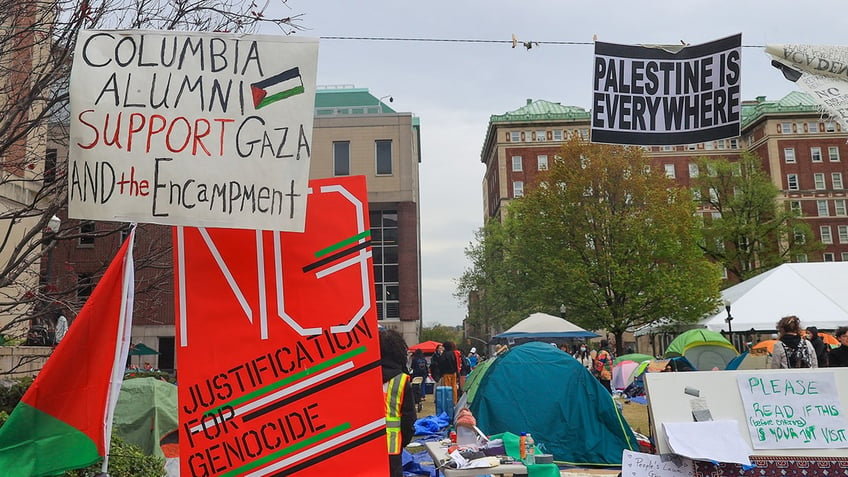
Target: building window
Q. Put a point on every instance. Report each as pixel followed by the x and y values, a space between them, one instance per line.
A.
pixel 518 188
pixel 842 230
pixel 826 237
pixel 830 126
pixel 822 207
pixel 795 206
pixel 799 236
pixel 813 127
pixel 845 256
pixel 836 179
pixel 668 148
pixel 50 166
pixel 693 170
pixel 384 247
pixel 541 136
pixel 515 136
pixel 383 148
pixel 801 258
pixel 543 162
pixel 786 128
pixel 669 170
pixel 516 164
pixel 86 230
pixel 734 143
pixel 789 155
pixel 528 136
pixel 839 207
pixel 341 158
pixel 691 147
pixel 827 257
pixel 815 154
pixel 818 178
pixel 558 135
pixel 792 181
pixel 833 154
pixel 85 285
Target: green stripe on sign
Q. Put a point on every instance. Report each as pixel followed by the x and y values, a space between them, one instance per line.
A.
pixel 289 450
pixel 295 377
pixel 343 243
pixel 36 444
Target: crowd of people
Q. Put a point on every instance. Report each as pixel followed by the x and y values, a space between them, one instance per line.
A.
pixel 804 348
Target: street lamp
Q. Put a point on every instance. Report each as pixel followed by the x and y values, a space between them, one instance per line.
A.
pixel 52 228
pixel 562 311
pixel 729 320
pixel 380 102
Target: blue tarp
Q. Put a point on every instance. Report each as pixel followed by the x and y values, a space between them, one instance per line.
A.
pixel 432 425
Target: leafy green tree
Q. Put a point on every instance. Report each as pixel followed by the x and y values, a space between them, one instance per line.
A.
pixel 751 231
pixel 486 286
pixel 441 333
pixel 603 234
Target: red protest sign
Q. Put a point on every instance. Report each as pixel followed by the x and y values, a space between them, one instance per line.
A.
pixel 278 351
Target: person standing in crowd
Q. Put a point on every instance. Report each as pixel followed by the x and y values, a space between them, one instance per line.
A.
pixel 473 358
pixel 400 402
pixel 583 357
pixel 603 365
pixel 838 358
pixel 791 350
pixel 818 345
pixel 449 366
pixel 420 369
pixel 435 372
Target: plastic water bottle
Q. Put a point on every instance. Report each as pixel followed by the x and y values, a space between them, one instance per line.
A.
pixel 522 446
pixel 530 450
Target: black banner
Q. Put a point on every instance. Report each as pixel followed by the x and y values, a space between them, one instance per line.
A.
pixel 666 95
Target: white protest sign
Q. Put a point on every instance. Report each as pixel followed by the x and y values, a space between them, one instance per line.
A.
pixel 793 411
pixel 638 464
pixel 199 129
pixel 821 71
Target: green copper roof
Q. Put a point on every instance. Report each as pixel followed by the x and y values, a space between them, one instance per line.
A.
pixel 542 110
pixel 349 101
pixel 794 102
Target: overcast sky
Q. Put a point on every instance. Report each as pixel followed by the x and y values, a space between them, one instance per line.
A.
pixel 454 87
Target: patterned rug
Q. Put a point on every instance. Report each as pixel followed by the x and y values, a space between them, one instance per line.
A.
pixel 778 466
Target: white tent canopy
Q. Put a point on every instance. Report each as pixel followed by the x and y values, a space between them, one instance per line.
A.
pixel 817 293
pixel 543 325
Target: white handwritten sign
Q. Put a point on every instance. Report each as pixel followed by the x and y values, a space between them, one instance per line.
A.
pixel 637 464
pixel 200 129
pixel 793 410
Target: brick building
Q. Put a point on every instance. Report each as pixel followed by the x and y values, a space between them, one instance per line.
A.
pixel 800 150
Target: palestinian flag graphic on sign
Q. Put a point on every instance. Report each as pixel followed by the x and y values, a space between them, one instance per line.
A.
pixel 278 345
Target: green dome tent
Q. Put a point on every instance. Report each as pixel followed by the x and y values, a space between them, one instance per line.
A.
pixel 705 349
pixel 537 388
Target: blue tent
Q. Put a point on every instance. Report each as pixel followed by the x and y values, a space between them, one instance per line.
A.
pixel 537 388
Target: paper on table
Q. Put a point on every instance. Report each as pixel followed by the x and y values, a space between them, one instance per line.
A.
pixel 637 464
pixel 718 441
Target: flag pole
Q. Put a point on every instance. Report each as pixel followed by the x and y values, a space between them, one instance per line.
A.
pixel 122 344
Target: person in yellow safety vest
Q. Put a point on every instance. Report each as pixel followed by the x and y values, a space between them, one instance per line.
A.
pixel 400 400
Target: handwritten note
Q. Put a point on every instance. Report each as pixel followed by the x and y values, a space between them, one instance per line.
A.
pixel 637 464
pixel 793 410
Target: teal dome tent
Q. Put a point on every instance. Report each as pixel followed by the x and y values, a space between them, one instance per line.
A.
pixel 537 388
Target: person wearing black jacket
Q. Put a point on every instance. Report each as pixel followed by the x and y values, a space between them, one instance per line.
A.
pixel 449 362
pixel 397 390
pixel 818 345
pixel 838 358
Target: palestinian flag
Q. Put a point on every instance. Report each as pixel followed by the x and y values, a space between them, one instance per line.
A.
pixel 64 420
